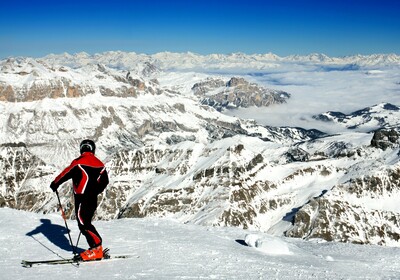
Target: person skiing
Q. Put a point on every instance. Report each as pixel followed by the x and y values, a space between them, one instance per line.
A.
pixel 89 178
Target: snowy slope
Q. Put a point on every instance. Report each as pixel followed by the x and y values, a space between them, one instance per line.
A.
pixel 164 249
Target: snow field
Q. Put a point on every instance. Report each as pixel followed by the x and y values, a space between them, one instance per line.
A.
pixel 166 249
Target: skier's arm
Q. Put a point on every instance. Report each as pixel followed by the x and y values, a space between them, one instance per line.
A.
pixel 103 180
pixel 64 176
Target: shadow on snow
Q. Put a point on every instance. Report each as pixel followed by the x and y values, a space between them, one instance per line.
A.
pixel 56 234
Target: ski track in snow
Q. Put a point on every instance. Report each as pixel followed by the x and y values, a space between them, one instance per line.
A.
pixel 166 249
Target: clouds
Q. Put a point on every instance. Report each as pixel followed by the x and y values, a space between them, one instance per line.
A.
pixel 314 91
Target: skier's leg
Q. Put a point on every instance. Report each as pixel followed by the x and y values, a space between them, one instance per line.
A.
pixel 84 214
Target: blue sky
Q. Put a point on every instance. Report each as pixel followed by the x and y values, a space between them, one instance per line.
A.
pixel 336 28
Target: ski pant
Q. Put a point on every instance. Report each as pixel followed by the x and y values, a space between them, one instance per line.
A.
pixel 85 206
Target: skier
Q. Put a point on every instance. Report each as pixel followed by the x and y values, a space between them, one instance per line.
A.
pixel 89 179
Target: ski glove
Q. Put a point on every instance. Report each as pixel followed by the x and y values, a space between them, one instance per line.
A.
pixel 53 186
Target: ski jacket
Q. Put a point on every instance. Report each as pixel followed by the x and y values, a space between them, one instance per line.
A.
pixel 89 175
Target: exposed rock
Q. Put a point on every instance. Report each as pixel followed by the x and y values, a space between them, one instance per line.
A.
pixel 19 170
pixel 330 218
pixel 149 69
pixel 385 138
pixel 297 154
pixel 7 93
pixel 237 92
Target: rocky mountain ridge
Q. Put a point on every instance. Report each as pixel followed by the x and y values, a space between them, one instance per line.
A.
pixel 29 80
pixel 236 93
pixel 382 115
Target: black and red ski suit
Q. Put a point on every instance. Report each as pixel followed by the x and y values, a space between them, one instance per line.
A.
pixel 89 178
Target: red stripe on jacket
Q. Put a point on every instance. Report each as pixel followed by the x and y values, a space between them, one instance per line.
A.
pixel 86 172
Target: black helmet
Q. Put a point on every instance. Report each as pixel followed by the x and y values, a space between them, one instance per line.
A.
pixel 87 146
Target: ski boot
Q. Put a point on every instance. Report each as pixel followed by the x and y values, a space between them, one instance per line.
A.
pixel 92 254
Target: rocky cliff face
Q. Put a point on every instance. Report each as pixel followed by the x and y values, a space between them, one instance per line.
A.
pixel 23 175
pixel 361 218
pixel 236 93
pixel 34 80
pixel 361 207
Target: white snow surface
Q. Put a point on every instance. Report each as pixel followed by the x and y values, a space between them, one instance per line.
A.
pixel 165 249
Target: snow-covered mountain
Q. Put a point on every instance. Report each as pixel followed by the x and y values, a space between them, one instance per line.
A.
pixel 189 60
pixel 382 115
pixel 170 154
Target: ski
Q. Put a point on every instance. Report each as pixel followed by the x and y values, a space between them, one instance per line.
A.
pixel 49 262
pixel 75 260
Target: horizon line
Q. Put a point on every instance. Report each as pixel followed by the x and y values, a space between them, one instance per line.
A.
pixel 198 54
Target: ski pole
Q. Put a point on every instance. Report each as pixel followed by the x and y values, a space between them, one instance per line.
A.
pixel 65 221
pixel 77 242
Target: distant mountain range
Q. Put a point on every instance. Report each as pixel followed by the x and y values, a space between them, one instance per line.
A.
pixel 168 60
